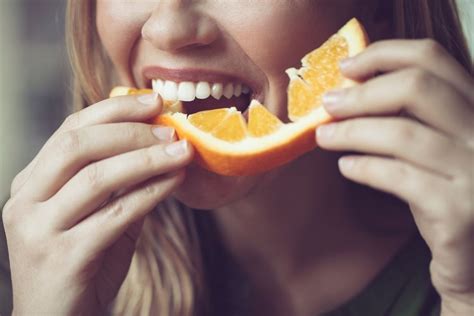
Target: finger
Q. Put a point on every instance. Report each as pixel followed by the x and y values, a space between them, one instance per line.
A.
pixel 21 178
pixel 134 108
pixel 402 179
pixel 75 149
pixel 94 184
pixel 419 93
pixel 118 109
pixel 397 137
pixel 390 55
pixel 114 219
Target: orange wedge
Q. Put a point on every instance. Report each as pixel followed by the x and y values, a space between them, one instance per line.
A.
pixel 227 144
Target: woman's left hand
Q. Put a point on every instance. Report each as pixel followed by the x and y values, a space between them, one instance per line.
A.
pixel 424 156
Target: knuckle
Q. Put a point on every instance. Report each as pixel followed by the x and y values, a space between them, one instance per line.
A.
pixel 418 81
pixel 132 131
pixel 115 208
pixel 93 175
pixel 147 157
pixel 72 120
pixel 430 49
pixel 11 212
pixel 68 142
pixel 406 187
pixel 406 133
pixel 151 189
pixel 8 213
pixel 17 182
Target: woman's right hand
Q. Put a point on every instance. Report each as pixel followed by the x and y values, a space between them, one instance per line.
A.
pixel 76 210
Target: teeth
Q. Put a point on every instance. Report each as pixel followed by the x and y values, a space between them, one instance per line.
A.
pixel 228 90
pixel 217 90
pixel 157 85
pixel 203 90
pixel 170 90
pixel 188 91
pixel 238 90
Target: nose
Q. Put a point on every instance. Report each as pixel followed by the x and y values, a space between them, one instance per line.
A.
pixel 175 25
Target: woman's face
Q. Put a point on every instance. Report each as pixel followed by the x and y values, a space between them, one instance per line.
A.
pixel 248 42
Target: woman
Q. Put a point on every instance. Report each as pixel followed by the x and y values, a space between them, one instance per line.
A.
pixel 83 232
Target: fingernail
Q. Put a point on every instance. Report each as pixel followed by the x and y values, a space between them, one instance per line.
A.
pixel 346 163
pixel 148 99
pixel 177 149
pixel 332 99
pixel 346 63
pixel 325 132
pixel 164 133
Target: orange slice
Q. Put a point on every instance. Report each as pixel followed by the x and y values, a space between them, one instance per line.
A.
pixel 227 144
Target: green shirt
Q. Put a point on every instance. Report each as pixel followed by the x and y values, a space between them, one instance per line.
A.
pixel 402 288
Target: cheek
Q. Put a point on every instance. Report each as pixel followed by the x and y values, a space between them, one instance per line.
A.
pixel 277 37
pixel 119 26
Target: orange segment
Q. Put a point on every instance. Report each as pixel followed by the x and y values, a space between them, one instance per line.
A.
pixel 261 121
pixel 320 73
pixel 233 128
pixel 226 144
pixel 208 120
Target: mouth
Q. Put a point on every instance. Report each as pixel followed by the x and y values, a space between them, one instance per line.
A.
pixel 200 91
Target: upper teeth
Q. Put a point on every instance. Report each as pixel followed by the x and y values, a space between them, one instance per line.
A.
pixel 188 91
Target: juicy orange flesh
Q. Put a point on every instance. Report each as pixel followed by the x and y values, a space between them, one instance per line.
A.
pixel 232 129
pixel 207 120
pixel 262 122
pixel 322 74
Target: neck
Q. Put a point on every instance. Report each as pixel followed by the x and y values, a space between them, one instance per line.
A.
pixel 301 230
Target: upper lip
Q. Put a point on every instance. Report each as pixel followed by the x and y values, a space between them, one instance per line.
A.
pixel 196 75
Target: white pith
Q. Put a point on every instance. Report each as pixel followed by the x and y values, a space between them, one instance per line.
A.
pixel 285 133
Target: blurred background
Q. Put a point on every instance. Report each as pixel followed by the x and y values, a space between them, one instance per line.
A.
pixel 34 78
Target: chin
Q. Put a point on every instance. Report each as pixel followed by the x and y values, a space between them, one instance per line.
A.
pixel 203 189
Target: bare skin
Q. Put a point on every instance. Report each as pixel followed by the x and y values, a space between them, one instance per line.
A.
pixel 309 250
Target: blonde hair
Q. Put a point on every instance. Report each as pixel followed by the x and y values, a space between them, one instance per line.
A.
pixel 166 276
